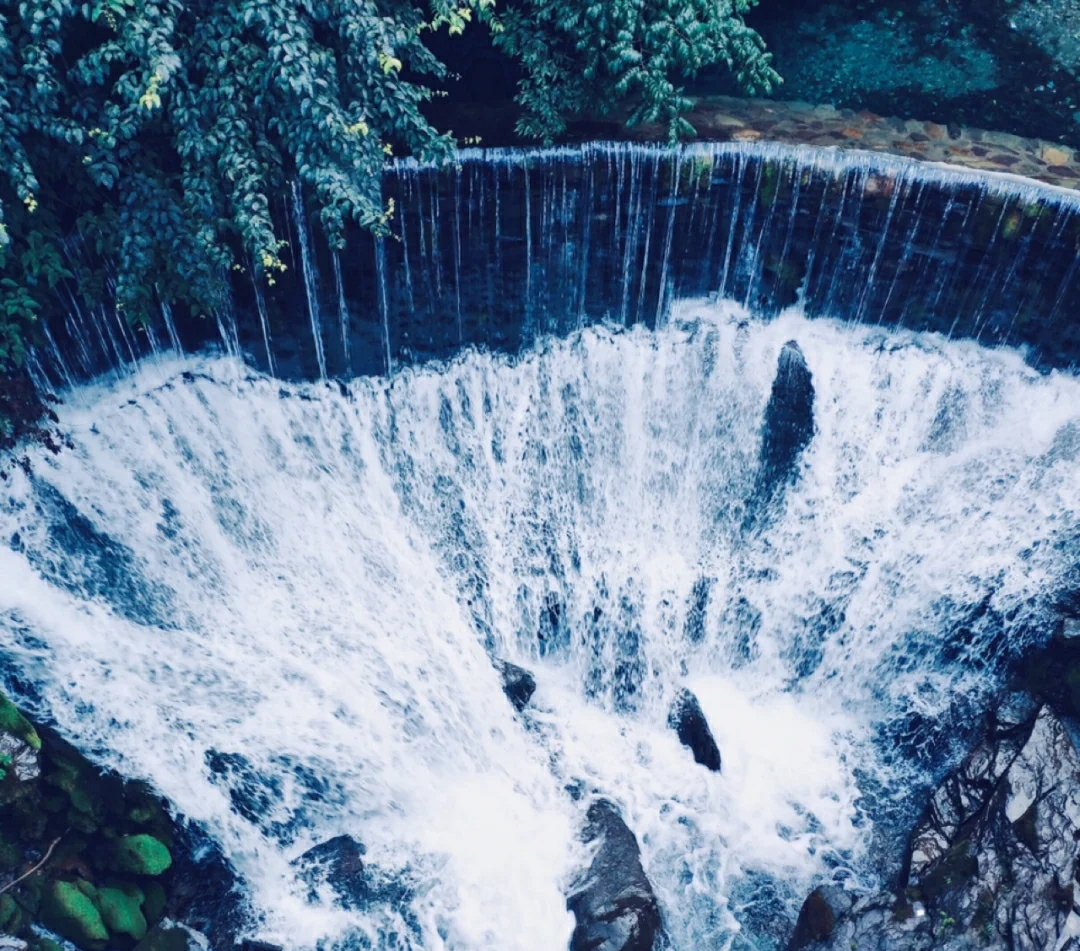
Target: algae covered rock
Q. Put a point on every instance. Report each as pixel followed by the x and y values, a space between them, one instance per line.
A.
pixel 169 936
pixel 13 722
pixel 153 904
pixel 121 913
pixel 19 749
pixel 69 911
pixel 140 855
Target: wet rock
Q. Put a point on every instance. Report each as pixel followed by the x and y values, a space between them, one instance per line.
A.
pixel 250 944
pixel 140 855
pixel 1053 673
pixel 518 684
pixel 789 418
pixel 69 911
pixel 338 862
pixel 204 891
pixel 614 904
pixel 818 916
pixel 688 721
pixel 169 936
pixel 992 863
pixel 121 912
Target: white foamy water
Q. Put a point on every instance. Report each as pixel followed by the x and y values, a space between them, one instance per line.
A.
pixel 277 603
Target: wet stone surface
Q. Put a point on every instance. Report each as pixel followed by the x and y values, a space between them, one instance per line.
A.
pixel 799 123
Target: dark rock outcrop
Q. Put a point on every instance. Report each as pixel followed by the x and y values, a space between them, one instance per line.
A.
pixel 688 721
pixel 614 904
pixel 993 862
pixel 518 684
pixel 818 916
pixel 338 862
pixel 169 936
pixel 789 420
pixel 250 944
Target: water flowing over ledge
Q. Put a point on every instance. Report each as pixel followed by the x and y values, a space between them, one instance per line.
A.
pixel 278 602
pixel 279 598
pixel 506 246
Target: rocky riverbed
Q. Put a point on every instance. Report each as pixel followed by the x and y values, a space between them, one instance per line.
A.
pixel 88 856
pixel 994 861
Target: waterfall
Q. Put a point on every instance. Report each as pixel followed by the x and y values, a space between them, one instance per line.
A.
pixel 279 602
pixel 501 247
pixel 311 293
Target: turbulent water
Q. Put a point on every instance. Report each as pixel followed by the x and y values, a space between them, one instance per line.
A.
pixel 278 602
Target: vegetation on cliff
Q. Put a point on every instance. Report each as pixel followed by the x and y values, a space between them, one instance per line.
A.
pixel 83 853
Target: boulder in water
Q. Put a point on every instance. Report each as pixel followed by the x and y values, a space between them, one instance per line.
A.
pixel 140 854
pixel 688 721
pixel 615 906
pixel 789 419
pixel 818 916
pixel 169 936
pixel 518 684
pixel 338 862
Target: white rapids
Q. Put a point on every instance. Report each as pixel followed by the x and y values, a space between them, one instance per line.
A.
pixel 277 603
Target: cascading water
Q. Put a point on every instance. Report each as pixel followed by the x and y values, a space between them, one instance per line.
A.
pixel 280 601
pixel 277 602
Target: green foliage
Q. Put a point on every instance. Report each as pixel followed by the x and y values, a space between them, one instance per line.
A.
pixel 144 143
pixel 586 57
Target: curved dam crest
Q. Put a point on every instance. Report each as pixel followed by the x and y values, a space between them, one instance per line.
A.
pixel 506 246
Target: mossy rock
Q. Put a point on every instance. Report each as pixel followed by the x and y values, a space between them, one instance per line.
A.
pixel 81 822
pixel 38 943
pixel 54 802
pixel 13 722
pixel 28 818
pixel 9 911
pixel 10 854
pixel 28 892
pixel 130 889
pixel 153 905
pixel 76 782
pixel 18 923
pixel 140 855
pixel 70 847
pixel 956 867
pixel 171 938
pixel 69 912
pixel 121 913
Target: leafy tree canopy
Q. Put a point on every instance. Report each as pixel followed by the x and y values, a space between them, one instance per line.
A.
pixel 143 143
